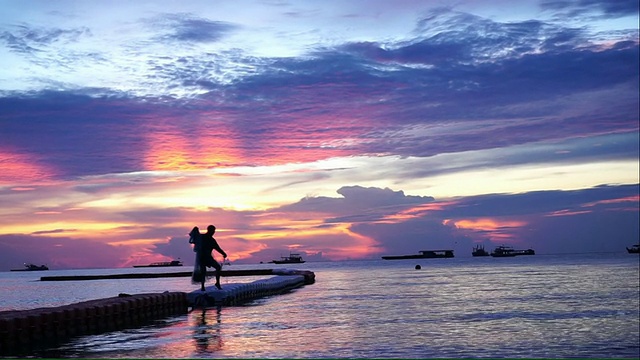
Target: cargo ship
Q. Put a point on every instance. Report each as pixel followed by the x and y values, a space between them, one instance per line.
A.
pixel 291 259
pixel 479 250
pixel 161 264
pixel 508 251
pixel 424 254
pixel 32 267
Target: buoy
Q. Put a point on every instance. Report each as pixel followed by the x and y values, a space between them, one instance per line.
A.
pixel 418 267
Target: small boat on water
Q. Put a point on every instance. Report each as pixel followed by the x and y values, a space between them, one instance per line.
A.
pixel 424 254
pixel 32 267
pixel 161 264
pixel 634 249
pixel 479 250
pixel 291 259
pixel 508 251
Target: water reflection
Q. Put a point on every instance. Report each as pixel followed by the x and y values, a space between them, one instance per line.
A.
pixel 207 334
pixel 529 307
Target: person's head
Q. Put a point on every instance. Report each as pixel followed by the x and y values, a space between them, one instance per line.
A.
pixel 211 229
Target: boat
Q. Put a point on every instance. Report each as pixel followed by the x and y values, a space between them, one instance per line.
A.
pixel 32 267
pixel 508 251
pixel 635 249
pixel 291 259
pixel 161 264
pixel 423 254
pixel 479 250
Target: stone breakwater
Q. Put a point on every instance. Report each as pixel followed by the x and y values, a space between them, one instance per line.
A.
pixel 22 331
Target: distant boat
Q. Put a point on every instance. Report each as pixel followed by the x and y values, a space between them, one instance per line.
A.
pixel 424 254
pixel 479 250
pixel 291 259
pixel 161 264
pixel 32 267
pixel 635 249
pixel 508 251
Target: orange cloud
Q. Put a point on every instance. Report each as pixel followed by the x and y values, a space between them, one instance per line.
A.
pixel 416 211
pixel 635 199
pixel 20 167
pixel 567 213
pixel 170 149
pixel 497 230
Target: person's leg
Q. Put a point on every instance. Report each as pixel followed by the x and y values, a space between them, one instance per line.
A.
pixel 218 270
pixel 203 273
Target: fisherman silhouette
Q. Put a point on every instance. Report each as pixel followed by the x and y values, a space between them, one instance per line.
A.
pixel 204 244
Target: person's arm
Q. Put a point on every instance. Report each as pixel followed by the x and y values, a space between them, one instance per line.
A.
pixel 217 247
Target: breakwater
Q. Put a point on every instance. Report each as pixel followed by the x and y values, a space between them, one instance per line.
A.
pixel 235 294
pixel 224 273
pixel 22 331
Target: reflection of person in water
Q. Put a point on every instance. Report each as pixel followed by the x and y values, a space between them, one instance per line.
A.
pixel 207 337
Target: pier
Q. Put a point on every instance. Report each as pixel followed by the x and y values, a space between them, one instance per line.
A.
pixel 23 330
pixel 234 294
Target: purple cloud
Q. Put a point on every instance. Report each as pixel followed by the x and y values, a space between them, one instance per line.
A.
pixel 607 9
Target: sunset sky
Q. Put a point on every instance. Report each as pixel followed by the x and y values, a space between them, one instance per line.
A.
pixel 336 129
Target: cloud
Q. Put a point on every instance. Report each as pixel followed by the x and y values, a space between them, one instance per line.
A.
pixel 357 201
pixel 590 220
pixel 187 28
pixel 179 109
pixel 59 252
pixel 362 223
pixel 415 97
pixel 538 202
pixel 30 40
pixel 604 8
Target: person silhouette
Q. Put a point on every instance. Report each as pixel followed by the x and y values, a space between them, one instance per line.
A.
pixel 207 244
pixel 195 238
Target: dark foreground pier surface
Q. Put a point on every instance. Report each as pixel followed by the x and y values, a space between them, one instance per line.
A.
pixel 22 331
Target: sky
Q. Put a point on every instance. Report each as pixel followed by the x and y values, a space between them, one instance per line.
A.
pixel 341 130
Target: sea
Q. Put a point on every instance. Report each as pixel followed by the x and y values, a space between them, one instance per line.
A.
pixel 540 306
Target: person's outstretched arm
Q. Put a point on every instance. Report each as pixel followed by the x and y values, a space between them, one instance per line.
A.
pixel 217 247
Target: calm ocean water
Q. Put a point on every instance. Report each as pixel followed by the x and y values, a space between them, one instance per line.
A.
pixel 541 306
